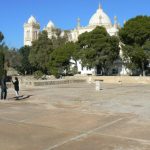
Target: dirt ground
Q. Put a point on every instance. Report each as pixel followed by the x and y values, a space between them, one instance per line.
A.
pixel 76 117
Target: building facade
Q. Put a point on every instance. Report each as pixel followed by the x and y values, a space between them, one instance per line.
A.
pixel 99 18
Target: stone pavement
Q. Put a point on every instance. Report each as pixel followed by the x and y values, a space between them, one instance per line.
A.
pixel 76 117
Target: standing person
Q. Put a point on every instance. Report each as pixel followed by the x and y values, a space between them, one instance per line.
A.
pixel 16 86
pixel 3 88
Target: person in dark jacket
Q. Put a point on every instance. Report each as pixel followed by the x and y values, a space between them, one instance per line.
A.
pixel 16 87
pixel 3 88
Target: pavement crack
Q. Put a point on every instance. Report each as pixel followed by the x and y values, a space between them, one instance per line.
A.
pixel 85 134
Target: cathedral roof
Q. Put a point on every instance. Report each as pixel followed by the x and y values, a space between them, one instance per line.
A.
pixel 100 18
pixel 32 20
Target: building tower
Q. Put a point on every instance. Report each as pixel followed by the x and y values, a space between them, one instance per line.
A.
pixel 31 31
pixel 50 28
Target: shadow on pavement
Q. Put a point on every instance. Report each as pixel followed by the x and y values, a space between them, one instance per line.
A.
pixel 23 97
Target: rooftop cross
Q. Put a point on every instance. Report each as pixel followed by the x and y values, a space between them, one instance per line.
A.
pixel 100 6
pixel 78 22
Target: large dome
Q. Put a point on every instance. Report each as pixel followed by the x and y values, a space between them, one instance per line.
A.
pixel 100 18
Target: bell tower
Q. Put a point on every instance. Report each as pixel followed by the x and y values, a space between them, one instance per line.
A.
pixel 31 31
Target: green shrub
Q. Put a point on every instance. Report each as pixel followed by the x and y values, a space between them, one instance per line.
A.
pixel 55 72
pixel 38 74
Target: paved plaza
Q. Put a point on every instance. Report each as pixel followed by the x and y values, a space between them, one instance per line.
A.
pixel 77 117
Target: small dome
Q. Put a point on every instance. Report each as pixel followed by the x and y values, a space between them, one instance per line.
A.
pixel 50 25
pixel 32 20
pixel 100 18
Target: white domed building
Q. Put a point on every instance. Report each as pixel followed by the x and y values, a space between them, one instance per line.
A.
pixel 100 18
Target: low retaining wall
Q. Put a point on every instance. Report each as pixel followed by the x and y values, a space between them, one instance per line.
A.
pixel 123 79
pixel 89 79
pixel 52 82
pixel 115 79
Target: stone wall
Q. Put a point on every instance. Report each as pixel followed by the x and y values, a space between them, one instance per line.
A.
pixel 88 79
pixel 120 79
pixel 124 79
pixel 51 82
pixel 115 79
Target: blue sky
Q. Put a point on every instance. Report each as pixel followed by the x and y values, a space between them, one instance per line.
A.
pixel 64 13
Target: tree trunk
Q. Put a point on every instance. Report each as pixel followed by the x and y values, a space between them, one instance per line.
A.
pixel 143 69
